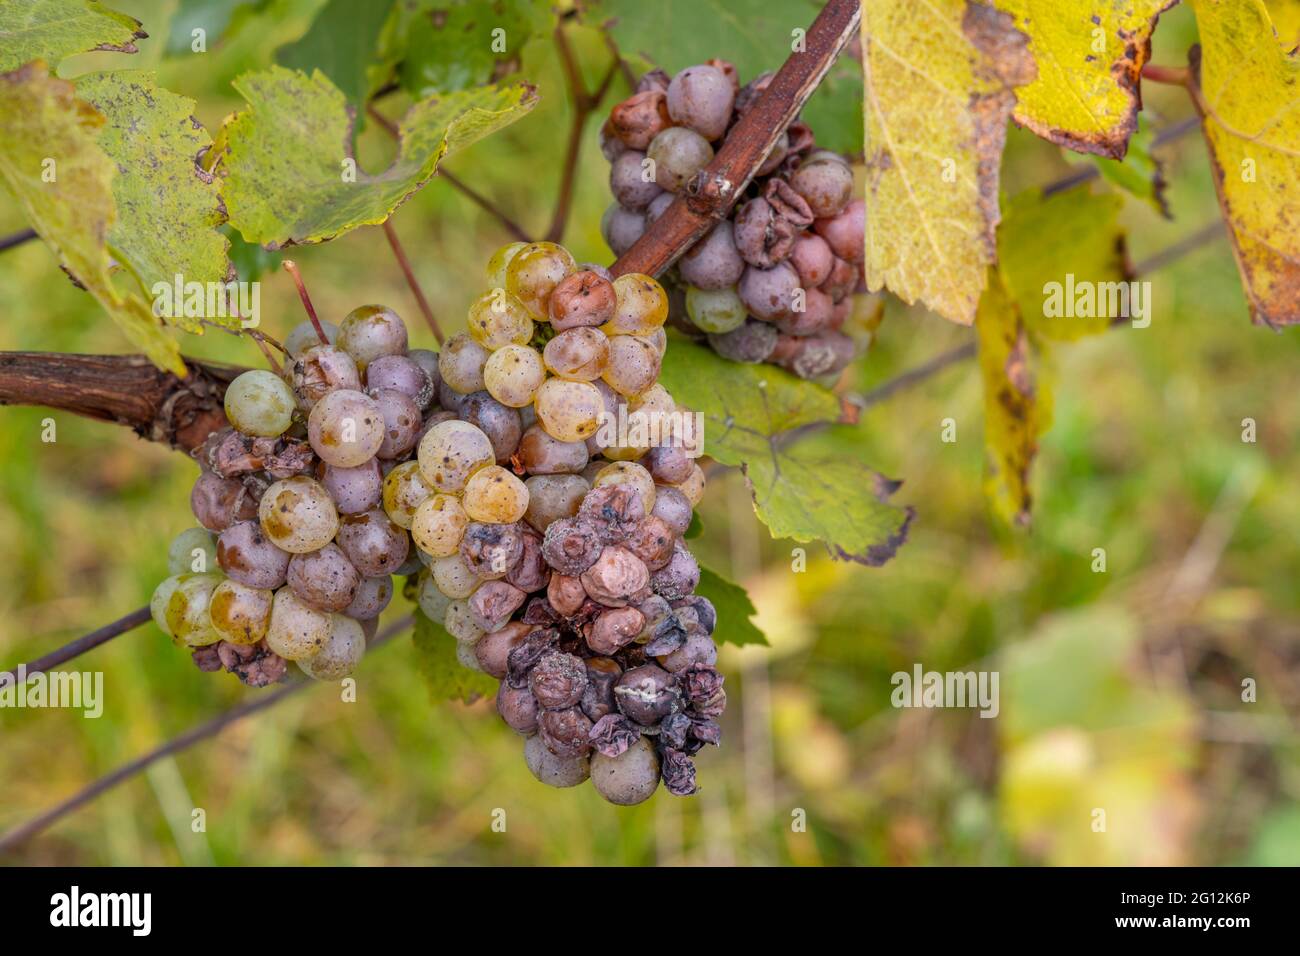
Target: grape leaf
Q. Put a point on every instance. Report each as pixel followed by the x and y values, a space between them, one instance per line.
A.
pixel 735 610
pixel 341 42
pixel 168 208
pixel 833 111
pixel 695 528
pixel 455 46
pixel 210 16
pixel 53 29
pixel 755 35
pixel 1248 90
pixel 1015 406
pixel 805 473
pixel 1140 173
pixel 446 677
pixel 939 88
pixel 249 259
pixel 286 155
pixel 1069 238
pixel 1089 62
pixel 1286 22
pixel 45 129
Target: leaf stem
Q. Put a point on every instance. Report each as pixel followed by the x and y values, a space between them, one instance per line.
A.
pixel 583 103
pixel 400 255
pixel 291 267
pixel 1172 75
pixel 459 185
pixel 17 239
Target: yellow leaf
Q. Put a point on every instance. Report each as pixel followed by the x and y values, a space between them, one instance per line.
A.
pixel 1249 100
pixel 1286 22
pixel 939 88
pixel 52 164
pixel 1089 61
pixel 1016 408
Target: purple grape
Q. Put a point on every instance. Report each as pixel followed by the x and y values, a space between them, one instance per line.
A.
pixel 499 422
pixel 768 293
pixel 702 98
pixel 325 580
pixel 354 490
pixel 673 507
pixel 621 228
pixel 373 544
pixel 402 421
pixel 373 595
pixel 713 262
pixel 403 374
pixel 825 182
pixel 218 502
pixel 628 183
pixel 247 555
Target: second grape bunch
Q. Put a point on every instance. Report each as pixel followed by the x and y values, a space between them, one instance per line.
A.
pixel 554 540
pixel 775 281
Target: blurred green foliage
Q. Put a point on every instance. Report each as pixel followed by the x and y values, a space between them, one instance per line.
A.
pixel 1121 690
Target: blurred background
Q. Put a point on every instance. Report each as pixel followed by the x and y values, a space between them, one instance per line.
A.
pixel 1120 690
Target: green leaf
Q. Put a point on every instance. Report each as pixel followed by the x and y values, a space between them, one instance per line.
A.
pixel 41 119
pixel 168 207
pixel 1247 98
pixel 1140 173
pixel 453 46
pixel 210 16
pixel 755 35
pixel 286 154
pixel 1085 95
pixel 735 610
pixel 806 474
pixel 1046 240
pixel 940 81
pixel 341 42
pixel 250 260
pixel 446 677
pixel 695 528
pixel 834 111
pixel 50 30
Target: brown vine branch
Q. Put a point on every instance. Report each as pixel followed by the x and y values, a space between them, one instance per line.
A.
pixel 82 644
pixel 914 376
pixel 404 263
pixel 209 728
pixel 715 189
pixel 583 102
pixel 126 389
pixel 17 239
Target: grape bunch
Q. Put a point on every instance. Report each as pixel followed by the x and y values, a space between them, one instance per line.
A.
pixel 533 483
pixel 295 554
pixel 774 282
pixel 553 540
